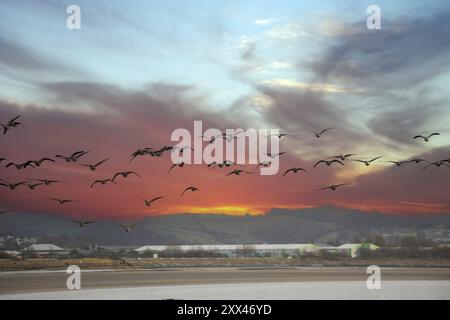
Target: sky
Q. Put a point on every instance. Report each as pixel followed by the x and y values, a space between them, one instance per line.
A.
pixel 137 70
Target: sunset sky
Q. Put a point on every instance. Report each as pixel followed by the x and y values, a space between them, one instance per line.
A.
pixel 137 70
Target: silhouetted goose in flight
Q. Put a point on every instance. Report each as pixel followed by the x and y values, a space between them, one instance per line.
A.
pixel 37 163
pixel 129 228
pixel 437 164
pixel 319 134
pixel 3 212
pixel 264 164
pixel 61 201
pixel 93 167
pixel 33 186
pixel 12 186
pixel 140 152
pixel 229 136
pixel 397 163
pixel 212 164
pixel 227 164
pixel 280 135
pixel 368 162
pixel 181 150
pixel 237 172
pixel 82 224
pixel 13 123
pixel 294 170
pixel 166 148
pixel 74 157
pixel 124 174
pixel 343 156
pixel 273 155
pixel 20 166
pixel 333 187
pixel 5 128
pixel 48 182
pixel 102 182
pixel 191 188
pixel 328 162
pixel 209 139
pixel 160 152
pixel 148 203
pixel 180 164
pixel 427 138
pixel 416 160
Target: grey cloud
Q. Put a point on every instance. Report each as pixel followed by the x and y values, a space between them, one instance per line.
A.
pixel 405 52
pixel 17 56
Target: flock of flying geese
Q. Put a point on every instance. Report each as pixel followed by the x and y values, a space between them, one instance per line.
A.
pixel 78 155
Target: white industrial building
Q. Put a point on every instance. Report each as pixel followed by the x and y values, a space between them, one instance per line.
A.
pixel 45 249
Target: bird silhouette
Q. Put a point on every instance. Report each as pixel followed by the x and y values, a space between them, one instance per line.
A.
pixel 319 134
pixel 446 160
pixel 333 187
pixel 102 182
pixel 273 155
pixel 328 162
pixel 212 164
pixel 48 182
pixel 129 228
pixel 181 149
pixel 237 172
pixel 294 170
pixel 227 164
pixel 416 160
pixel 12 186
pixel 264 164
pixel 426 138
pixel 280 135
pixel 343 156
pixel 33 186
pixel 148 203
pixel 13 123
pixel 140 152
pixel 210 140
pixel 82 224
pixel 61 201
pixel 74 157
pixel 397 163
pixel 437 164
pixel 368 162
pixel 191 188
pixel 93 167
pixel 20 166
pixel 37 163
pixel 228 136
pixel 124 174
pixel 179 164
pixel 3 212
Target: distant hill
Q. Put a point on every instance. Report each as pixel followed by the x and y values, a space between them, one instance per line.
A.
pixel 278 226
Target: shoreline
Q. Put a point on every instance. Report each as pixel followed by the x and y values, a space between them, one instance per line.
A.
pixel 187 263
